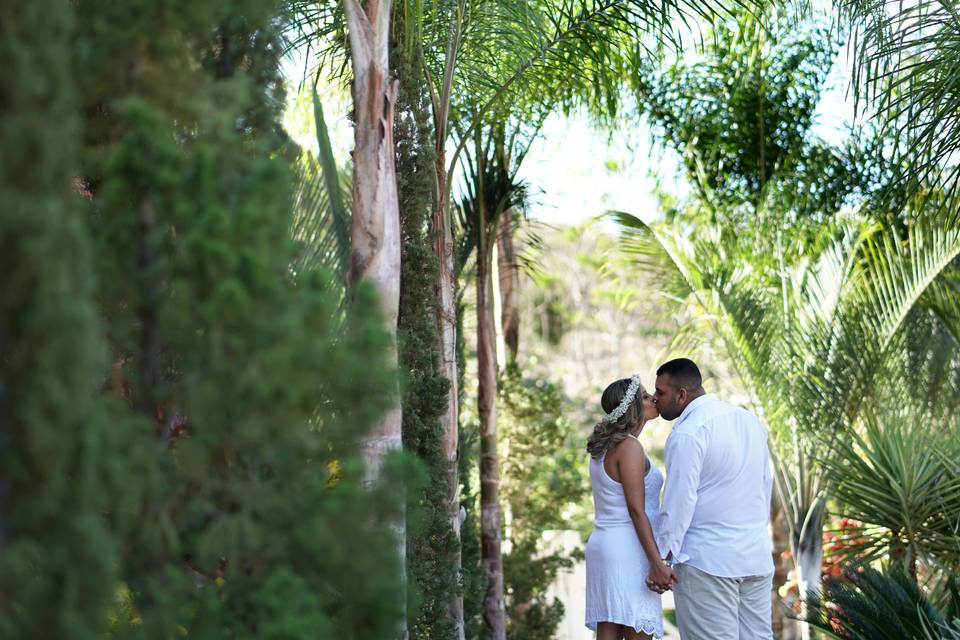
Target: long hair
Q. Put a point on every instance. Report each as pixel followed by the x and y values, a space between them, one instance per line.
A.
pixel 608 434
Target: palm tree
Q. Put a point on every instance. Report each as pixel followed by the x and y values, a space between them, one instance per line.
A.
pixel 321 221
pixel 492 190
pixel 809 339
pixel 374 247
pixel 906 63
pixel 900 479
pixel 869 605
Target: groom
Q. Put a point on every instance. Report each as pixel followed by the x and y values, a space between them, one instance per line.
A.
pixel 716 508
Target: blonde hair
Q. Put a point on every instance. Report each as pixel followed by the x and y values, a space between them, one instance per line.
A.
pixel 607 434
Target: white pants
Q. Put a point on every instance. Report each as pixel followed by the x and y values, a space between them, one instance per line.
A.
pixel 714 608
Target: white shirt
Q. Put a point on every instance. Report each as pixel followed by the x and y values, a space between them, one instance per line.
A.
pixel 716 506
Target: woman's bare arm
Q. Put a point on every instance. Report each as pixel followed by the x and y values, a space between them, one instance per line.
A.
pixel 632 465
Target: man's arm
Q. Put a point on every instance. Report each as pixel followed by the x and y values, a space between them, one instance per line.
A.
pixel 767 468
pixel 684 459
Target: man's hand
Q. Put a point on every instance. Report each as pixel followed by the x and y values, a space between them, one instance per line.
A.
pixel 661 577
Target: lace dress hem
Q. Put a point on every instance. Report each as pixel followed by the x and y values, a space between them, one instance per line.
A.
pixel 650 627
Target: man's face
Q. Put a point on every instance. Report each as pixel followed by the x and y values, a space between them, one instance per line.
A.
pixel 670 399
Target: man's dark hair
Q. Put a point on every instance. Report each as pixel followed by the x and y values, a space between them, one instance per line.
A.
pixel 683 372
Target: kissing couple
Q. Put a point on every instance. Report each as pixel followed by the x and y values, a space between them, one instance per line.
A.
pixel 708 540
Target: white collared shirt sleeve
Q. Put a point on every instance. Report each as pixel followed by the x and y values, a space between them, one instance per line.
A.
pixel 684 460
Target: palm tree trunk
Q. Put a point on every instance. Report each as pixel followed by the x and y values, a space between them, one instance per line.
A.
pixel 446 292
pixel 809 559
pixel 447 330
pixel 509 286
pixel 375 221
pixel 491 558
pixel 784 628
pixel 902 554
pixel 808 555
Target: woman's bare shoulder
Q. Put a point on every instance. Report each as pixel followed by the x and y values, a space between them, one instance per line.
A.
pixel 629 447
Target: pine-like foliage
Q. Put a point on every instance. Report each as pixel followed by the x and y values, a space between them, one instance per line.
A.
pixel 243 511
pixel 432 547
pixel 57 450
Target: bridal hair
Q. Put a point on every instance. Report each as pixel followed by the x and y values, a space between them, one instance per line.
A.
pixel 609 432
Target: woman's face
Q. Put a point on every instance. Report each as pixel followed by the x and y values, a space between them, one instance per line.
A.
pixel 650 410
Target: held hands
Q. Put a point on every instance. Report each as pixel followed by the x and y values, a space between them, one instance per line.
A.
pixel 661 577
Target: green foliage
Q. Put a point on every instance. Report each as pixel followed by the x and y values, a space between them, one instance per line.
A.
pixel 516 56
pixel 740 116
pixel 432 546
pixel 321 221
pixel 866 604
pixel 580 282
pixel 901 480
pixel 542 489
pixel 905 61
pixel 215 488
pixel 60 458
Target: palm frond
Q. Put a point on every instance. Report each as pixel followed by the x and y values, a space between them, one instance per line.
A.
pixel 893 477
pixel 906 65
pixel 943 299
pixel 899 266
pixel 744 312
pixel 321 222
pixel 318 28
pixel 532 55
pixel 869 605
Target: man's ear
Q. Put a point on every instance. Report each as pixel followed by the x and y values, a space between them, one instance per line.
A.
pixel 682 395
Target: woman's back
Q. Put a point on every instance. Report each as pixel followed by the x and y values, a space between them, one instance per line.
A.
pixel 616 564
pixel 609 502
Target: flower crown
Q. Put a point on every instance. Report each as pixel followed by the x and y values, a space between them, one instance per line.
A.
pixel 628 397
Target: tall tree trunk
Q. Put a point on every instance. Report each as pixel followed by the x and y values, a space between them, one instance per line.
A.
pixel 447 329
pixel 809 559
pixel 808 556
pixel 148 360
pixel 491 557
pixel 509 285
pixel 446 290
pixel 784 628
pixel 375 221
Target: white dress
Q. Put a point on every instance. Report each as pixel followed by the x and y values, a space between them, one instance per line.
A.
pixel 617 567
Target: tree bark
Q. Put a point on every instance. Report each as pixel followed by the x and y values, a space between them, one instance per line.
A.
pixel 509 286
pixel 375 220
pixel 446 292
pixel 808 557
pixel 447 329
pixel 491 557
pixel 784 627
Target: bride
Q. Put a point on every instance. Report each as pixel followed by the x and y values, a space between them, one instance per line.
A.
pixel 622 554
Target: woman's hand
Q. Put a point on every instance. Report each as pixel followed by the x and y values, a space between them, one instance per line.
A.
pixel 661 577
